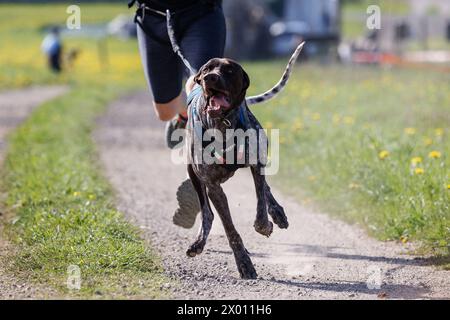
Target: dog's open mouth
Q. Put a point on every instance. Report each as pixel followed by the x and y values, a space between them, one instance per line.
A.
pixel 217 100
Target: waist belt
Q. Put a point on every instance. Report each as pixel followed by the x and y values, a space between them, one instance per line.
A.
pixel 150 6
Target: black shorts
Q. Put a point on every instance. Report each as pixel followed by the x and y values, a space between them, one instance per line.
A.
pixel 200 32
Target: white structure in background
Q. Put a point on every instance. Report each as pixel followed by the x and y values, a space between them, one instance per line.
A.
pixel 420 7
pixel 122 26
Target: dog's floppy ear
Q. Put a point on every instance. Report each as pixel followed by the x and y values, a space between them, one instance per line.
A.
pixel 198 76
pixel 245 85
pixel 245 81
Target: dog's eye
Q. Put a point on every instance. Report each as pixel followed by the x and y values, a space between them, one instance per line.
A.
pixel 205 70
pixel 229 70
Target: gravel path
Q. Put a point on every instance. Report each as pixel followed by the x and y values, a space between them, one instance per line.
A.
pixel 316 258
pixel 15 106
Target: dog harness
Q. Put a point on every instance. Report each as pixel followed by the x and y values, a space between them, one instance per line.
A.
pixel 194 101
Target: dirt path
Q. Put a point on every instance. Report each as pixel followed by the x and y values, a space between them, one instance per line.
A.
pixel 15 106
pixel 316 258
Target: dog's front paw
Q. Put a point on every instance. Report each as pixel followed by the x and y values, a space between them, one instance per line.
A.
pixel 264 229
pixel 278 216
pixel 195 249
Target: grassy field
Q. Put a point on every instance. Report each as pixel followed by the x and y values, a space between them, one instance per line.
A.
pixel 23 64
pixel 368 145
pixel 64 209
pixel 60 208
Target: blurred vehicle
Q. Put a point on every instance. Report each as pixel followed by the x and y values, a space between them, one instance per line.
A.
pixel 248 23
pixel 287 35
pixel 317 22
pixel 268 32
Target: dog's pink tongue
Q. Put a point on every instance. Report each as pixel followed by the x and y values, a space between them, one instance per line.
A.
pixel 219 100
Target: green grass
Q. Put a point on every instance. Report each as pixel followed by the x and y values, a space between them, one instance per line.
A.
pixel 335 121
pixel 23 64
pixel 387 6
pixel 61 207
pixel 64 209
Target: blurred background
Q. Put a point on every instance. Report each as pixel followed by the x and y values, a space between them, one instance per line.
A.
pixel 412 31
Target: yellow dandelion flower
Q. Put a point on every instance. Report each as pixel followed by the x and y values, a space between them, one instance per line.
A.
pixel 419 171
pixel 349 120
pixel 316 116
pixel 91 196
pixel 448 186
pixel 383 154
pixel 353 186
pixel 428 141
pixel 439 132
pixel 404 239
pixel 336 119
pixel 297 127
pixel 416 160
pixel 410 131
pixel 76 193
pixel 434 154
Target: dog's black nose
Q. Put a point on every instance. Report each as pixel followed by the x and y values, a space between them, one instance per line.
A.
pixel 211 78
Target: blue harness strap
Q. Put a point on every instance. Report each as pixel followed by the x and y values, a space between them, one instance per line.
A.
pixel 192 101
pixel 242 118
pixel 196 91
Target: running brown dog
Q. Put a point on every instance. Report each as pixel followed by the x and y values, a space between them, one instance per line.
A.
pixel 217 101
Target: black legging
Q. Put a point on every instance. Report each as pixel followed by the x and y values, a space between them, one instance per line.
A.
pixel 200 32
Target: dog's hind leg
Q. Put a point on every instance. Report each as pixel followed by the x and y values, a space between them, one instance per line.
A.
pixel 275 210
pixel 243 261
pixel 262 224
pixel 207 215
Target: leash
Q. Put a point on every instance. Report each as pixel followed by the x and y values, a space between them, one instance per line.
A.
pixel 175 46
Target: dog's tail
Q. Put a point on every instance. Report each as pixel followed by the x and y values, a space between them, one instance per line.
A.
pixel 281 84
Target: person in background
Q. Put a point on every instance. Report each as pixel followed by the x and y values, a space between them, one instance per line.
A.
pixel 52 48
